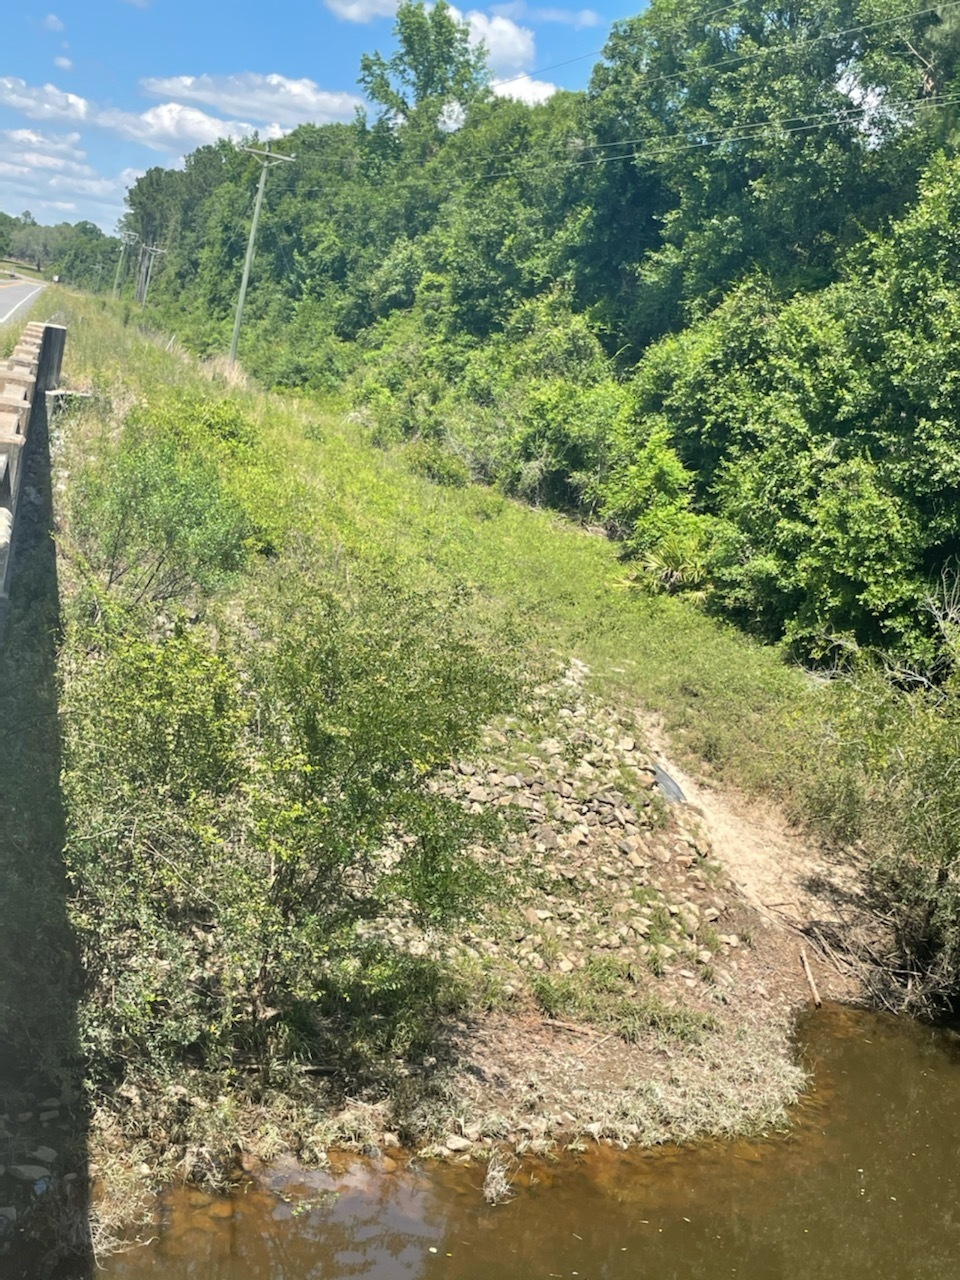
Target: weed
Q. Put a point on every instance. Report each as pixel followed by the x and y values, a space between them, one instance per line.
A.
pixel 707 936
pixel 498 1179
pixel 602 994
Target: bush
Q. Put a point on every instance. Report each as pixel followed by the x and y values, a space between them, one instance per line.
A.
pixel 888 780
pixel 151 518
pixel 431 460
pixel 240 804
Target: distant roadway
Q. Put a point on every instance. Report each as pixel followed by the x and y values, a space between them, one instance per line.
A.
pixel 15 294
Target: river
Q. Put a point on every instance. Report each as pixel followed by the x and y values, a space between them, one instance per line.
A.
pixel 866 1184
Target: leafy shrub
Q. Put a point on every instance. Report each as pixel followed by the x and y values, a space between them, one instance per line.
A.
pixel 888 780
pixel 238 806
pixel 151 518
pixel 430 459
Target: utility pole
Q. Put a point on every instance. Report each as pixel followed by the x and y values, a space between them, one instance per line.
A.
pixel 267 161
pixel 96 287
pixel 148 252
pixel 141 272
pixel 127 240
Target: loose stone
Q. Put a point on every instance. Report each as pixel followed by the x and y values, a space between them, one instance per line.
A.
pixel 29 1172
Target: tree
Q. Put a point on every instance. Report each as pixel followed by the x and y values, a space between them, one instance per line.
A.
pixel 6 233
pixel 434 68
pixel 754 137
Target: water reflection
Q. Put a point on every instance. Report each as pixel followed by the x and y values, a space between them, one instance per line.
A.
pixel 865 1185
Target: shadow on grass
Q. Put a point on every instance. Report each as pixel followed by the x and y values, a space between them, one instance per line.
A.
pixel 43 1124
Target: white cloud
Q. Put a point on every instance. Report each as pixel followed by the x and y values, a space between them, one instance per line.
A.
pixel 168 127
pixel 34 152
pixel 362 10
pixel 63 63
pixel 171 127
pixel 48 173
pixel 42 103
pixel 52 23
pixel 523 89
pixel 102 188
pixel 272 98
pixel 576 18
pixel 509 47
pixel 62 142
pixel 39 160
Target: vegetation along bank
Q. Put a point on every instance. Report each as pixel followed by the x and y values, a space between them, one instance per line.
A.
pixel 367 825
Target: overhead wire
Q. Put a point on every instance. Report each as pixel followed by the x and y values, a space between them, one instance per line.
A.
pixel 598 53
pixel 787 46
pixel 652 150
pixel 737 133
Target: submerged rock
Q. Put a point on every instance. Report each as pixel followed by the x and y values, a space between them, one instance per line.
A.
pixel 29 1172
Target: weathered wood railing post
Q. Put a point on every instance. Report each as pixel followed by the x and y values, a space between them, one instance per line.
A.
pixel 31 371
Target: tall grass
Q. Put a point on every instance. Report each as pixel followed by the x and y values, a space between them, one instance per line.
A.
pixel 858 759
pixel 728 700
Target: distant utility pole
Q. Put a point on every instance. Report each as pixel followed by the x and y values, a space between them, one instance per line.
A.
pixel 267 161
pixel 96 287
pixel 148 252
pixel 127 241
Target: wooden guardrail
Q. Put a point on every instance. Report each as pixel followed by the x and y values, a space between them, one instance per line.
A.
pixel 31 371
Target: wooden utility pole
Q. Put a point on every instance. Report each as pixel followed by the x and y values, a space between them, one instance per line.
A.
pixel 267 161
pixel 127 240
pixel 148 252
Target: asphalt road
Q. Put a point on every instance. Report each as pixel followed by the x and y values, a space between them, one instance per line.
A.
pixel 15 294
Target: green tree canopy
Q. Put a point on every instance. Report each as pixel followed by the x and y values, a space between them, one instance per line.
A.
pixel 434 67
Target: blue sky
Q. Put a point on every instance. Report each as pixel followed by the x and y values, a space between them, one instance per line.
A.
pixel 94 92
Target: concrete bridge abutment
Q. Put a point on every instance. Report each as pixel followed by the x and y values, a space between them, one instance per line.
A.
pixel 32 370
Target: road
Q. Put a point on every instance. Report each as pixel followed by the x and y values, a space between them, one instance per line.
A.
pixel 15 294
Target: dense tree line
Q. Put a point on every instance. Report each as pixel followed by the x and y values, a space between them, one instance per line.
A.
pixel 80 253
pixel 710 301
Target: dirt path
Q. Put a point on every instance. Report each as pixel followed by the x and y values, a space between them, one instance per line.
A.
pixel 784 874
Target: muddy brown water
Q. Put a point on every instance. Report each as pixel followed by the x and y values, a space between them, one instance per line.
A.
pixel 865 1184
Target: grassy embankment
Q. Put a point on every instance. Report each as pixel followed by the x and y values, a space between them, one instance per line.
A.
pixel 728 702
pixel 223 554
pixel 21 269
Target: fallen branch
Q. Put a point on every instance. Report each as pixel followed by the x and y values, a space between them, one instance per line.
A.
pixel 826 948
pixel 567 1026
pixel 813 986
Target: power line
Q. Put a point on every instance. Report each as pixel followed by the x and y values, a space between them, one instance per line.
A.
pixel 691 72
pixel 598 53
pixel 148 254
pixel 800 44
pixel 710 66
pixel 675 145
pixel 668 148
pixel 127 241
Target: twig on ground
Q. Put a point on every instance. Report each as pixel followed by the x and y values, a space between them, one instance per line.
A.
pixel 596 1045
